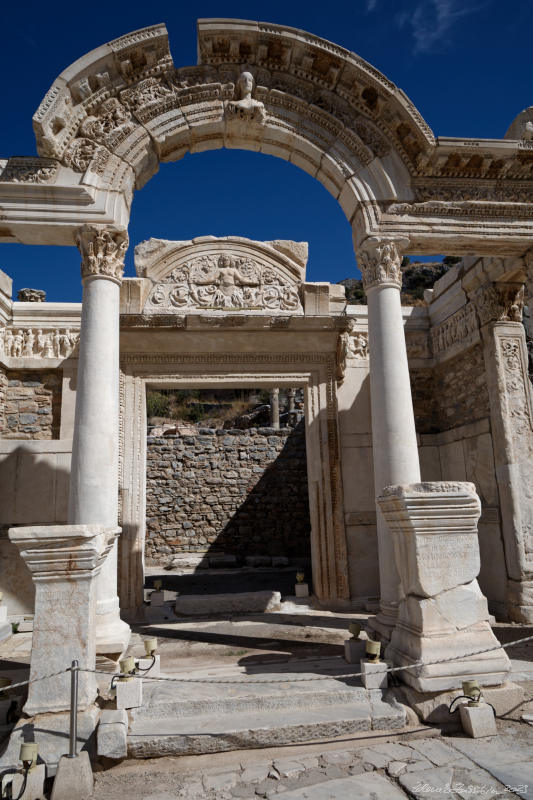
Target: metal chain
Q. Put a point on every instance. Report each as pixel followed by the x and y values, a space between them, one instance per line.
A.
pixel 339 676
pixel 246 680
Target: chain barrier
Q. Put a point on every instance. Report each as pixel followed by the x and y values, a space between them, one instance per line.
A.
pixel 246 680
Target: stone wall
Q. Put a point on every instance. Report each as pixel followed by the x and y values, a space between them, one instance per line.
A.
pixel 460 389
pixel 32 405
pixel 239 492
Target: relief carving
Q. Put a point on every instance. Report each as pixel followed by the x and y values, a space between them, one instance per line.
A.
pixel 244 108
pixel 150 90
pixel 24 343
pixel 111 116
pixel 500 302
pixel 102 252
pixel 224 282
pixel 379 262
pixel 417 343
pixel 30 170
pixel 352 345
pixel 80 153
pixel 460 327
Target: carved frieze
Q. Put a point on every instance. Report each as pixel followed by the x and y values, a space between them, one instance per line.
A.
pixel 110 118
pixel 30 170
pixel 102 252
pixel 38 343
pixel 515 378
pixel 224 282
pixel 460 328
pixel 352 345
pixel 379 262
pixel 500 302
pixel 417 343
pixel 80 153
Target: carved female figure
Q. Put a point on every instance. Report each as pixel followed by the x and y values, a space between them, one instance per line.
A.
pixel 28 343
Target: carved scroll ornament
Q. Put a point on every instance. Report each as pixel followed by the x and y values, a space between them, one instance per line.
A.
pixel 224 282
pixel 102 253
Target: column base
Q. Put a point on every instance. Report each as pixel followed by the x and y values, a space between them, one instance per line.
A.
pixel 112 636
pixel 384 622
pixel 490 669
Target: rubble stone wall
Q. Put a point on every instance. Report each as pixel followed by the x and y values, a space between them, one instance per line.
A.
pixel 31 404
pixel 239 492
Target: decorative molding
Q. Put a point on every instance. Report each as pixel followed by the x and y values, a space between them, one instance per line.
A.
pixel 38 343
pixel 499 302
pixel 102 253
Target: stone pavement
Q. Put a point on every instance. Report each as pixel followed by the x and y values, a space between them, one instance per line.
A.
pixel 451 767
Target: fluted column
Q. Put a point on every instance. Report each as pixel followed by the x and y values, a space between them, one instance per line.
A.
pixel 94 470
pixel 394 444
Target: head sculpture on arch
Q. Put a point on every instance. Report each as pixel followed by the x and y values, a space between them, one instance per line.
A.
pixel 122 109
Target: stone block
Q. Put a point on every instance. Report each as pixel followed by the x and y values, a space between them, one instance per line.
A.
pixel 354 650
pixel 34 784
pixel 3 613
pixel 243 602
pixel 374 674
pixel 478 721
pixel 157 599
pixel 112 734
pixel 129 693
pixel 74 778
pixel 301 590
pixel 151 670
pixel 433 707
pixel 5 630
pixel 258 561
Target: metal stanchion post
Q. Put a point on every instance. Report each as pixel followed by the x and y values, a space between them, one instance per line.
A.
pixel 73 747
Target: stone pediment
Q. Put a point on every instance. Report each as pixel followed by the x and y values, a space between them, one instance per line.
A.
pixel 227 274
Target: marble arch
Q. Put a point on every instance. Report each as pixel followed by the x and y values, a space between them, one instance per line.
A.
pixel 108 121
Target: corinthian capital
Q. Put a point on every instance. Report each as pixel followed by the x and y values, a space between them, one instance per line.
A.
pixel 499 302
pixel 379 261
pixel 102 252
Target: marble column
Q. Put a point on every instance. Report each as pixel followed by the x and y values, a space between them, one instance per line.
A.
pixel 395 450
pixel 499 308
pixel 64 562
pixel 94 472
pixel 274 408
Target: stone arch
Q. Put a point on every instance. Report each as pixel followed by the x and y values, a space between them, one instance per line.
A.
pixel 119 111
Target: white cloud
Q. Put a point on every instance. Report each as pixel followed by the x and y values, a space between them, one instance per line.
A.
pixel 431 20
pixel 371 5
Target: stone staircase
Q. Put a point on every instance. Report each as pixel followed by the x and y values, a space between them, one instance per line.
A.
pixel 195 718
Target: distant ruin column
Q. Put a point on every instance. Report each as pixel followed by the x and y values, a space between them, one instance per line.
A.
pixel 394 444
pixel 94 471
pixel 274 408
pixel 292 406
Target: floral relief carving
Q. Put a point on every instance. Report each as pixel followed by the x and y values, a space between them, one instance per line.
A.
pixel 38 343
pixel 102 252
pixel 224 282
pixel 244 107
pixel 379 263
pixel 111 116
pixel 515 383
pixel 500 302
pixel 150 90
pixel 30 170
pixel 352 345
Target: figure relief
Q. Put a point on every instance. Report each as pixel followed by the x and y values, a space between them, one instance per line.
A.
pixel 352 344
pixel 223 282
pixel 102 252
pixel 111 116
pixel 55 343
pixel 244 107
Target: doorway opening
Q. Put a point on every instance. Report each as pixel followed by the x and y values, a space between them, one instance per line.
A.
pixel 227 504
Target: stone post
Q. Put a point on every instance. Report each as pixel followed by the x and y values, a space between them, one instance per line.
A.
pixel 292 406
pixel 395 450
pixel 94 472
pixel 64 561
pixel 499 307
pixel 442 612
pixel 274 408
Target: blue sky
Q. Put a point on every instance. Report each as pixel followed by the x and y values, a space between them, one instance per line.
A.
pixel 466 65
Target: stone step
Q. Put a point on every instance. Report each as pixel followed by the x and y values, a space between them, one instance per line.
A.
pixel 176 699
pixel 152 737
